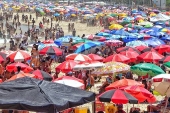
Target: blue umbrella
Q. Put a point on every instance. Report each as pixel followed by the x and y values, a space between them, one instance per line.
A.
pixel 104 34
pixel 87 46
pixel 122 33
pixel 56 14
pixel 167 38
pixel 156 34
pixel 136 43
pixel 154 42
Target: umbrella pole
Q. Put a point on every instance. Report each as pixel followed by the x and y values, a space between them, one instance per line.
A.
pixel 94 107
pixel 165 105
pixel 127 109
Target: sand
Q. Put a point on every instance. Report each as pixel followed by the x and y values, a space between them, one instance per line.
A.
pixel 83 29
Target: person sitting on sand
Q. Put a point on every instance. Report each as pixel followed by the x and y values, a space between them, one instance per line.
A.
pixel 157 108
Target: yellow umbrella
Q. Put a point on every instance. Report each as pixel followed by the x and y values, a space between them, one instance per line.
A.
pixel 152 14
pixel 73 15
pixel 115 26
pixel 141 20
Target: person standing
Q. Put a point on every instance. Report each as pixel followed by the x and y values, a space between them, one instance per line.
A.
pixel 74 32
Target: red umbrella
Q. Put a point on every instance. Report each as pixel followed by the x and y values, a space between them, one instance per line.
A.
pixel 163 48
pixel 95 57
pixel 117 58
pixel 127 49
pixel 141 47
pixel 66 66
pixel 48 41
pixel 117 96
pixel 13 67
pixel 19 55
pixel 51 50
pixel 150 56
pixel 130 54
pixel 78 57
pixel 42 75
pixel 123 83
pixel 165 59
pixel 140 93
pixel 76 46
pixel 20 75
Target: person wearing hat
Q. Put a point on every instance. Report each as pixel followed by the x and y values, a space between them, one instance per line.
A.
pixel 120 108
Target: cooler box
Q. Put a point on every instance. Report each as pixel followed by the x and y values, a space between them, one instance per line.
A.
pixel 99 106
pixel 81 110
pixel 110 108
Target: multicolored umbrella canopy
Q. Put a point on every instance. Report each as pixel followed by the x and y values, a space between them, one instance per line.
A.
pixel 51 50
pixel 19 56
pixel 143 69
pixel 78 57
pixel 117 96
pixel 42 75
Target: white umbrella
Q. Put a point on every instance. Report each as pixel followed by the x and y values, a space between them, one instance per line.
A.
pixel 70 81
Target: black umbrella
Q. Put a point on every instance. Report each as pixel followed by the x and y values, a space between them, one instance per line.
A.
pixel 117 96
pixel 41 96
pixel 42 75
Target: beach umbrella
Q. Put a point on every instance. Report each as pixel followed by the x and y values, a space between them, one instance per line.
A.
pixel 56 14
pixel 117 96
pixel 39 95
pixel 70 81
pixel 165 59
pixel 110 68
pixel 66 66
pixel 87 46
pixel 154 42
pixel 51 50
pixel 88 66
pixel 123 83
pixel 13 67
pixel 162 48
pixel 50 41
pixel 167 64
pixel 95 57
pixel 20 75
pixel 115 26
pixel 141 47
pixel 132 55
pixel 121 32
pixel 115 43
pixel 143 69
pixel 126 48
pixel 148 49
pixel 41 45
pixel 78 57
pixel 161 84
pixel 103 34
pixel 140 93
pixel 136 43
pixel 76 46
pixel 116 58
pixel 150 56
pixel 19 56
pixel 42 75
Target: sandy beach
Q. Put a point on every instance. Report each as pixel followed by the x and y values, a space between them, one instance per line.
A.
pixel 82 29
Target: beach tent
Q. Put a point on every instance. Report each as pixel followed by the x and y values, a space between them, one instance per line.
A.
pixel 41 96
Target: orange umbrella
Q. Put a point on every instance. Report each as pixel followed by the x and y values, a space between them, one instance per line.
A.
pixel 140 93
pixel 20 75
pixel 123 83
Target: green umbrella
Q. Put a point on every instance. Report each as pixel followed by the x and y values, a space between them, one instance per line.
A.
pixel 81 41
pixel 148 26
pixel 146 68
pixel 125 22
pixel 167 64
pixel 113 15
